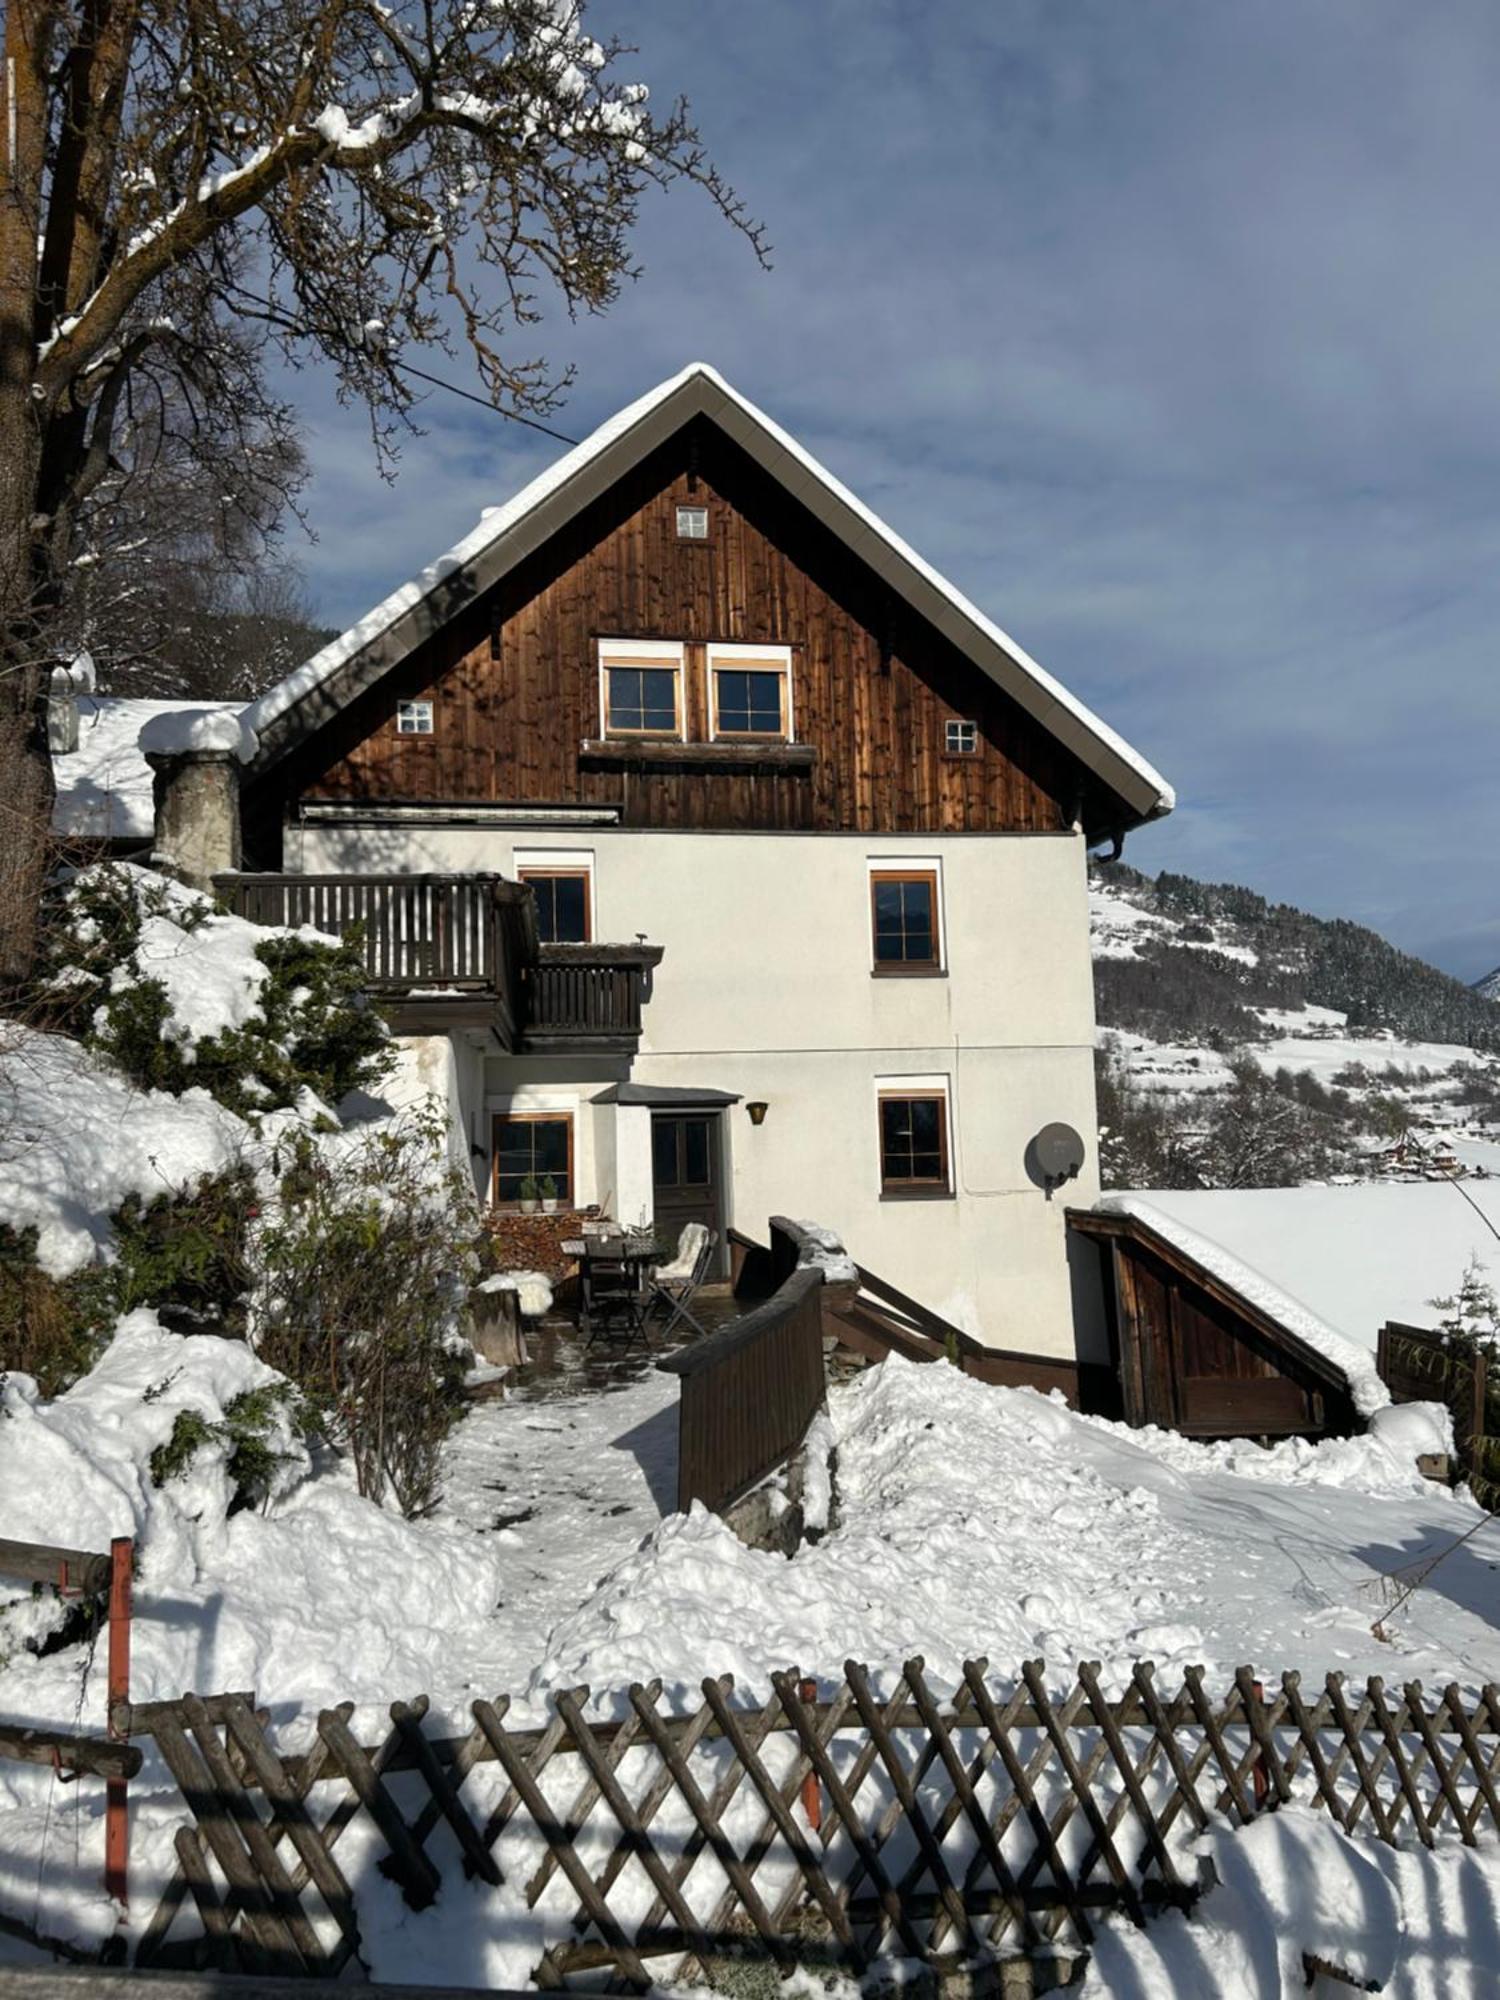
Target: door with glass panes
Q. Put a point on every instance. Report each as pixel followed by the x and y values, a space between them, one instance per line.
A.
pixel 686 1175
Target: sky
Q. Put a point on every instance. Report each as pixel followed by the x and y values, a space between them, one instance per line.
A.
pixel 1169 331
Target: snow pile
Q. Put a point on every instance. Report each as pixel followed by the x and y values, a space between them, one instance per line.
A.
pixel 211 974
pixel 1404 1922
pixel 824 1251
pixel 104 786
pixel 176 731
pixel 76 1139
pixel 1354 1361
pixel 87 1452
pixel 324 1595
pixel 533 1288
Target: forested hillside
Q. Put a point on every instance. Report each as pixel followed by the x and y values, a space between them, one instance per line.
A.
pixel 1249 953
pixel 1247 1044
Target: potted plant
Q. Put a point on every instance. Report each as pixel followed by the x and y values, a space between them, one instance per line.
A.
pixel 530 1195
pixel 549 1195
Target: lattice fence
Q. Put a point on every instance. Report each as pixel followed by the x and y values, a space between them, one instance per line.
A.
pixel 994 1823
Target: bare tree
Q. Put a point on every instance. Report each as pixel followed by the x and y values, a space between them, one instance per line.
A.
pixel 183 181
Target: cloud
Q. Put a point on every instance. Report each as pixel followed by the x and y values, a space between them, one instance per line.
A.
pixel 1167 331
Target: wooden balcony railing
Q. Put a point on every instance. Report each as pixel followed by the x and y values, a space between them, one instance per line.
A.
pixel 435 942
pixel 587 993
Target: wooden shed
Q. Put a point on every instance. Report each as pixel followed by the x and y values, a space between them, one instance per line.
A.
pixel 1192 1354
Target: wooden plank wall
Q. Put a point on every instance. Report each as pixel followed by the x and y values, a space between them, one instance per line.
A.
pixel 514 682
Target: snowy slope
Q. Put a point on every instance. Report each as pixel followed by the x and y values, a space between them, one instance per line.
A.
pixel 1181 995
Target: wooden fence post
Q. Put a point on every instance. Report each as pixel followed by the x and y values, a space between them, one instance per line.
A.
pixel 116 1790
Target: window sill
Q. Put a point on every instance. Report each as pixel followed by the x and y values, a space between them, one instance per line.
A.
pixel 667 753
pixel 918 1194
pixel 908 972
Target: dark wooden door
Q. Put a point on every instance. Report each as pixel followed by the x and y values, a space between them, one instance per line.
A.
pixel 686 1175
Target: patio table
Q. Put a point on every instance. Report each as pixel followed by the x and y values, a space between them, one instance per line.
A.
pixel 612 1276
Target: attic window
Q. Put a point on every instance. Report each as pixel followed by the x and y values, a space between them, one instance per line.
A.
pixel 692 524
pixel 413 718
pixel 960 739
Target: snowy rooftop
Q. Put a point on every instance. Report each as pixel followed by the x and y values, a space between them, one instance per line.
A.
pixel 1345 1258
pixel 104 786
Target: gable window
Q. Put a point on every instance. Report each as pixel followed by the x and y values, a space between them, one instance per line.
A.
pixel 564 904
pixel 533 1146
pixel 692 524
pixel 750 691
pixel 641 688
pixel 413 718
pixel 960 739
pixel 914 1141
pixel 904 919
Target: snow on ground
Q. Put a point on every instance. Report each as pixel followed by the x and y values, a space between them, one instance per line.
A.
pixel 1352 1257
pixel 76 1139
pixel 104 786
pixel 974 1522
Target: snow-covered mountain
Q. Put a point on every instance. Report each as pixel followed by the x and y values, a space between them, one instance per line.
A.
pixel 1384 1063
pixel 1489 986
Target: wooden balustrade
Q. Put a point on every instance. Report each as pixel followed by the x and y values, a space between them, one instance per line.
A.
pixel 436 942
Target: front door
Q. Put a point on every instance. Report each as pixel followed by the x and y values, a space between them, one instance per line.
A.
pixel 686 1176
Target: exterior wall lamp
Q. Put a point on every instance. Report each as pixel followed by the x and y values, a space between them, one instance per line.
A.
pixel 757 1108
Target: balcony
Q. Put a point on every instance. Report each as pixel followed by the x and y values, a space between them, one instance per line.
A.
pixel 461 951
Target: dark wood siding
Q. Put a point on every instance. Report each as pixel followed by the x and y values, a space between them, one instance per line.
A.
pixel 514 682
pixel 1194 1357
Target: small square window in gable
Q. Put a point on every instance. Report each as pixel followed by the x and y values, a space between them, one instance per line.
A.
pixel 960 738
pixel 414 718
pixel 692 524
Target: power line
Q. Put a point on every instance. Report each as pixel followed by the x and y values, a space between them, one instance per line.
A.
pixel 437 382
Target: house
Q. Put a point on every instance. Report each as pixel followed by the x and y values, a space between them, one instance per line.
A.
pixel 740 858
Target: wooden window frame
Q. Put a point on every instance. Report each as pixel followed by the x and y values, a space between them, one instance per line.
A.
pixel 682 507
pixel 421 702
pixel 576 872
pixel 736 657
pixel 666 655
pixel 961 722
pixel 909 968
pixel 511 1206
pixel 937 1189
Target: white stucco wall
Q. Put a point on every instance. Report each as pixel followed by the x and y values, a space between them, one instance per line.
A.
pixel 766 990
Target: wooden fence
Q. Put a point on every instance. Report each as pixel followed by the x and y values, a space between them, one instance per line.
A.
pixel 1418 1365
pixel 81 1573
pixel 748 1394
pixel 997 1822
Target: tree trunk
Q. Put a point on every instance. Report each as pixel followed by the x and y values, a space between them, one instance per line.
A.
pixel 26 782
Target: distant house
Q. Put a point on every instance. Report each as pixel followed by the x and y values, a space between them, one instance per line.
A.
pixel 741 858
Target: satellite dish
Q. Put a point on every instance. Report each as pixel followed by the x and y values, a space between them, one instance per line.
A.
pixel 1058 1152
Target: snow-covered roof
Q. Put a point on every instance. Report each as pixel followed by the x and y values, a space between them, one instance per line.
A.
pixel 505 535
pixel 104 786
pixel 1333 1264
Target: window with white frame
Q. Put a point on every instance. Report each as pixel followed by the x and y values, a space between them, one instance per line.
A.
pixel 960 739
pixel 750 692
pixel 692 524
pixel 561 881
pixel 640 687
pixel 413 718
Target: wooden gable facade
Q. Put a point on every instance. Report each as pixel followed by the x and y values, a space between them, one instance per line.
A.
pixel 1191 1354
pixel 512 675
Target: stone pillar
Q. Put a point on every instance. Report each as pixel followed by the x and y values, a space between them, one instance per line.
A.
pixel 196 796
